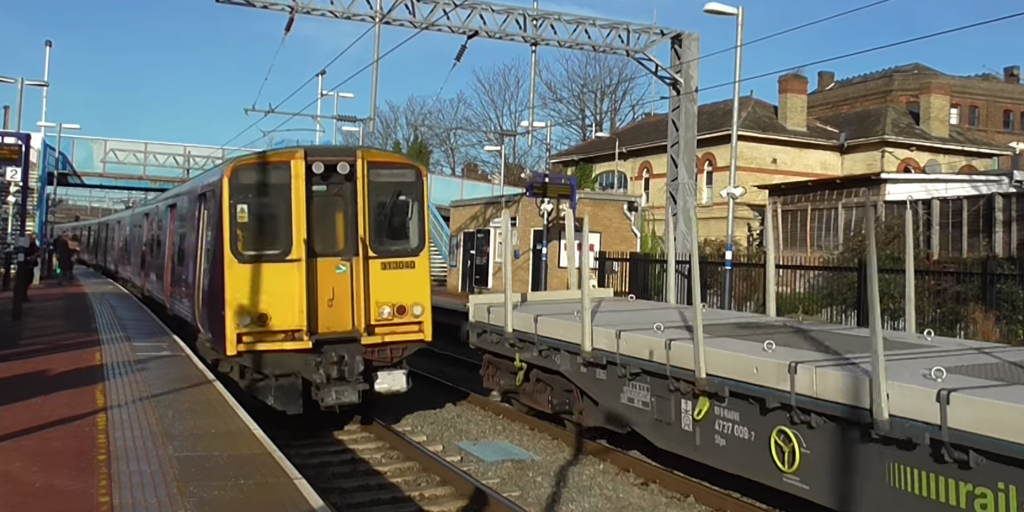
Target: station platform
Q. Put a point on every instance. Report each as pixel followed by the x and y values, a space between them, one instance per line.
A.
pixel 103 408
pixel 448 300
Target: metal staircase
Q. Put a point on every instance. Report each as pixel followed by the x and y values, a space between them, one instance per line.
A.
pixel 439 247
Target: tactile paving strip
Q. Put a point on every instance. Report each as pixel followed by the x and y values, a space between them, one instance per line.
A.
pixel 141 467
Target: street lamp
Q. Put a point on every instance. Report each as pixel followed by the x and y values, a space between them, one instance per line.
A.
pixel 606 135
pixel 336 96
pixel 732 193
pixel 501 153
pixel 354 129
pixel 540 124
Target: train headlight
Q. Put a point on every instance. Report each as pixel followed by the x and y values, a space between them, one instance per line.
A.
pixel 244 320
pixel 318 167
pixel 417 310
pixel 343 168
pixel 384 312
pixel 263 319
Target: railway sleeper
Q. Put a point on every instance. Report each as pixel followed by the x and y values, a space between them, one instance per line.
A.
pixel 395 495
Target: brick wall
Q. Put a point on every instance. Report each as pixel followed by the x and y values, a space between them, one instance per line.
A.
pixel 606 217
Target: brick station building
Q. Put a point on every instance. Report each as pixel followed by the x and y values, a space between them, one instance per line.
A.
pixel 903 119
pixel 475 226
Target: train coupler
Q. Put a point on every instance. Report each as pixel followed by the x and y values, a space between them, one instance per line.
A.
pixel 339 395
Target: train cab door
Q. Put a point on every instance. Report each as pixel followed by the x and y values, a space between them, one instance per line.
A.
pixel 332 247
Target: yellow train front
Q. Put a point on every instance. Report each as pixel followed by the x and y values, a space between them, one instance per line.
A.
pixel 305 271
pixel 326 276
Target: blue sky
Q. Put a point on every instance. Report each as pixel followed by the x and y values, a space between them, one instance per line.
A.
pixel 183 70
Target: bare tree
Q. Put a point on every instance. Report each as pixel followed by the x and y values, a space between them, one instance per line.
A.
pixel 444 131
pixel 580 90
pixel 500 101
pixel 397 122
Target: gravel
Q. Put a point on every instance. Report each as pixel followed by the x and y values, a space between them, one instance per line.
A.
pixel 589 485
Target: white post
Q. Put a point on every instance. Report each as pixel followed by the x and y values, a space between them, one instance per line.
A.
pixel 768 238
pixel 570 246
pixel 319 101
pixel 910 275
pixel 879 381
pixel 506 268
pixel 700 370
pixel 670 259
pixel 587 339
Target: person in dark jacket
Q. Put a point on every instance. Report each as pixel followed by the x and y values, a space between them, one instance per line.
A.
pixel 63 254
pixel 26 269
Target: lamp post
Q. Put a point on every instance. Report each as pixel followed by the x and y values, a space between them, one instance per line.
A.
pixel 44 202
pixel 337 96
pixel 354 129
pixel 545 205
pixel 733 192
pixel 606 135
pixel 501 153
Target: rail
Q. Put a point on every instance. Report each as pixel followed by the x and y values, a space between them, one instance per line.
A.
pixel 439 233
pixel 703 493
pixel 375 468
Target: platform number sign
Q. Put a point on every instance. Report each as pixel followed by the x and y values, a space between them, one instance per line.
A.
pixel 12 174
pixel 687 414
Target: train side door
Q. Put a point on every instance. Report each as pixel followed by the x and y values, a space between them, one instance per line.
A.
pixel 204 249
pixel 144 258
pixel 168 254
pixel 332 246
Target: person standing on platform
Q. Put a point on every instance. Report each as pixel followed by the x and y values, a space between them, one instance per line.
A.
pixel 73 247
pixel 26 269
pixel 62 251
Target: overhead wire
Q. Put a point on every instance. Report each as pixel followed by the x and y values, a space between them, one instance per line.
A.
pixel 462 51
pixel 347 80
pixel 844 56
pixel 266 78
pixel 632 78
pixel 297 89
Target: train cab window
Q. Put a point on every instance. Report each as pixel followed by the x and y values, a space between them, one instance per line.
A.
pixel 396 211
pixel 332 214
pixel 261 212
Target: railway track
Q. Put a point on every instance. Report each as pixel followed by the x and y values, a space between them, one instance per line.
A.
pixel 701 492
pixel 377 468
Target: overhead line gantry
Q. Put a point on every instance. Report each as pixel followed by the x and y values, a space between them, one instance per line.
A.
pixel 537 27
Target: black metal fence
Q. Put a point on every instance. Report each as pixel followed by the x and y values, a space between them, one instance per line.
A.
pixel 977 299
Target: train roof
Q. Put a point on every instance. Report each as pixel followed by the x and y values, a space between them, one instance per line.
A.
pixel 212 173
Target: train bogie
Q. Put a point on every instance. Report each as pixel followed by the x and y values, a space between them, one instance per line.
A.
pixel 304 271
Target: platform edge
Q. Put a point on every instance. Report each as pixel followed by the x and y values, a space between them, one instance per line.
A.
pixel 305 489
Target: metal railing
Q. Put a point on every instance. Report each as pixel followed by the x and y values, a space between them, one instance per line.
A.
pixel 439 233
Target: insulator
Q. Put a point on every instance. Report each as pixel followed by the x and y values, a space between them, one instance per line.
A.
pixel 461 53
pixel 288 26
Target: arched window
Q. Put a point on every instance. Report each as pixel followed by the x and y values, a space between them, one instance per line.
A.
pixel 709 181
pixel 646 198
pixel 909 166
pixel 613 181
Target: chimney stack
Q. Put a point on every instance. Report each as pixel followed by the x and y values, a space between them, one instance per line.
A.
pixel 793 101
pixel 826 79
pixel 1011 75
pixel 934 103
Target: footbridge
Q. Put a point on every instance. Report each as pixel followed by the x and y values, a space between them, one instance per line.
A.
pixel 96 176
